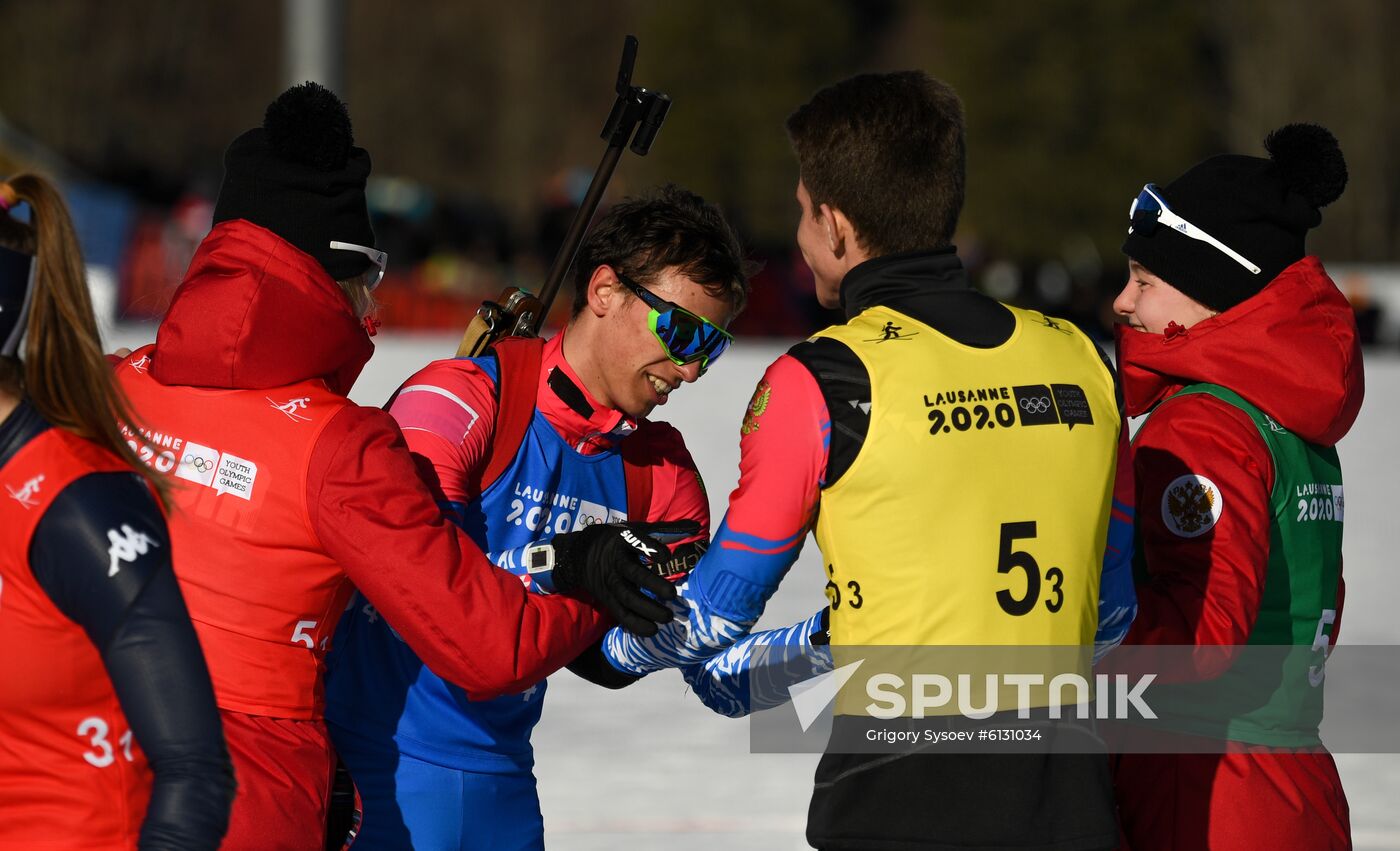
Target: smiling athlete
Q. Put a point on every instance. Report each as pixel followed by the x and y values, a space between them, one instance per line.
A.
pixel 531 450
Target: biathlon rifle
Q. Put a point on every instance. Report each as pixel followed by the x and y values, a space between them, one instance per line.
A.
pixel 636 117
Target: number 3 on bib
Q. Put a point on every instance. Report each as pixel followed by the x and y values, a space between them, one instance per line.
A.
pixel 1010 560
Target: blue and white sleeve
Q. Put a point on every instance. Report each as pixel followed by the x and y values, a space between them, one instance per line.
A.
pixel 754 674
pixel 714 608
pixel 783 449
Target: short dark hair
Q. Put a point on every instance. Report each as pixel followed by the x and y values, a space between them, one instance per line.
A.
pixel 643 236
pixel 888 150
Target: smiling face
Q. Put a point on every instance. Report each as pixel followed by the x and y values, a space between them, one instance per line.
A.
pixel 1149 303
pixel 611 346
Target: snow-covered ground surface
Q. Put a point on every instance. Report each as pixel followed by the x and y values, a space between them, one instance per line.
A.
pixel 650 767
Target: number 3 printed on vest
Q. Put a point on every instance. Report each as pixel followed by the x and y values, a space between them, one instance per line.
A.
pixel 101 754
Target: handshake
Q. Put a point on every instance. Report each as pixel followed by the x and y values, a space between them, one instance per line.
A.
pixel 626 568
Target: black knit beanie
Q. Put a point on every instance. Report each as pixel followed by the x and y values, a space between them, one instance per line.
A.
pixel 1261 208
pixel 301 177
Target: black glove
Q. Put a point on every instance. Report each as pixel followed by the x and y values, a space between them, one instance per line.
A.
pixel 683 560
pixel 613 564
pixel 593 666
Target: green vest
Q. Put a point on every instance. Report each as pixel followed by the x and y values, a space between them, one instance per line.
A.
pixel 1272 695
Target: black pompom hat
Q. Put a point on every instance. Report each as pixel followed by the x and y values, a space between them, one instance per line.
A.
pixel 1261 208
pixel 301 177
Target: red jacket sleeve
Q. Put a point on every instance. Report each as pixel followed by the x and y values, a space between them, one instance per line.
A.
pixel 1203 481
pixel 677 491
pixel 447 412
pixel 782 455
pixel 782 459
pixel 470 622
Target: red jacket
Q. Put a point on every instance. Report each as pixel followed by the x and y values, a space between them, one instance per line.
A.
pixel 1292 351
pixel 66 754
pixel 252 362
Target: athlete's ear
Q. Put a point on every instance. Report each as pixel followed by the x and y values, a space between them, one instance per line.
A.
pixel 840 236
pixel 604 291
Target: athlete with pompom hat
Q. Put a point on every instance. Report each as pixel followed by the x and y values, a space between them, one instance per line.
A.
pixel 1245 356
pixel 286 493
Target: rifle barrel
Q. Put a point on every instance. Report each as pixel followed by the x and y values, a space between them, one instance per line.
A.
pixel 574 238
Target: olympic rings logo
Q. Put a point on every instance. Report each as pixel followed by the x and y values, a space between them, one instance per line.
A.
pixel 201 464
pixel 1035 404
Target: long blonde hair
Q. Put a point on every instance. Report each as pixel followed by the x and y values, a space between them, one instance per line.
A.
pixel 63 372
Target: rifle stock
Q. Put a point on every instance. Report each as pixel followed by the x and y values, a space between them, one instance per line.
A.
pixel 516 314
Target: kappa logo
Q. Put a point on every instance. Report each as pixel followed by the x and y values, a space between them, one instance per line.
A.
pixel 127 545
pixel 1191 505
pixel 291 406
pixel 141 364
pixel 26 495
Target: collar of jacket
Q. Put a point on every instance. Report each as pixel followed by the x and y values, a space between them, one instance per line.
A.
pixel 893 276
pixel 1292 349
pixel 583 421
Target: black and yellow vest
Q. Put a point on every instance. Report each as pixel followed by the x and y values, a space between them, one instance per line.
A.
pixel 977 509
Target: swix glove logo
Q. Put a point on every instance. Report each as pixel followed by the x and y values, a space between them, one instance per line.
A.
pixel 127 546
pixel 26 495
pixel 291 406
pixel 637 544
pixel 141 364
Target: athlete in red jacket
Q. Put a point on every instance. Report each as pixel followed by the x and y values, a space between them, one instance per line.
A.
pixel 1246 357
pixel 109 736
pixel 286 493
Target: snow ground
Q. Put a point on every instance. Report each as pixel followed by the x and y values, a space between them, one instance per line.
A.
pixel 651 767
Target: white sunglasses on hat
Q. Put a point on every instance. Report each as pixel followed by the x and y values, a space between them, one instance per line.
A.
pixel 377 257
pixel 1149 210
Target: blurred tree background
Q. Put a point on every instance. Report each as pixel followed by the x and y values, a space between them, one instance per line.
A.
pixel 1072 104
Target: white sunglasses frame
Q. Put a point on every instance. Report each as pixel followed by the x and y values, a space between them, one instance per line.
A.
pixel 1167 218
pixel 379 258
